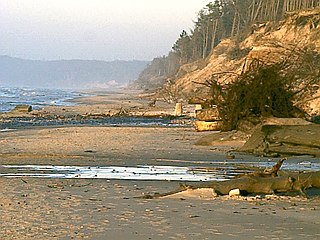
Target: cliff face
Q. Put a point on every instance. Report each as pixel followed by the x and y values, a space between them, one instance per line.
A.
pixel 267 42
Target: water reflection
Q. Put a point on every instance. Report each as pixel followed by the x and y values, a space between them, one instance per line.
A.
pixel 160 173
pixel 217 171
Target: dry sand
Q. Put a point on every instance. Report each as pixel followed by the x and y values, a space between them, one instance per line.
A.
pixel 101 209
pixel 32 208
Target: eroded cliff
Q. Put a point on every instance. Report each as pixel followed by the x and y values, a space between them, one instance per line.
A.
pixel 268 42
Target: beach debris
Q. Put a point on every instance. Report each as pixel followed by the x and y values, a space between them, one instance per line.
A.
pixel 152 103
pixel 122 112
pixel 207 126
pixel 265 182
pixel 178 109
pixel 24 181
pixel 230 156
pixel 89 151
pixel 22 108
pixel 268 172
pixel 234 192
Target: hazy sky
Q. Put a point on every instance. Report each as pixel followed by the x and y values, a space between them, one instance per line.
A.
pixel 93 29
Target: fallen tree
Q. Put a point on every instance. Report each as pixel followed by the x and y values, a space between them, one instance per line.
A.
pixel 282 88
pixel 269 181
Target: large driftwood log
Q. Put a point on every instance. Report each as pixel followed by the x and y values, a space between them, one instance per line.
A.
pixel 256 185
pixel 296 182
pixel 266 182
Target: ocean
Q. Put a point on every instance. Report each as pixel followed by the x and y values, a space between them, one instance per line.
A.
pixel 37 98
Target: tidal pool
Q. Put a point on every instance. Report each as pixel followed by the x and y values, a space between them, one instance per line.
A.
pixel 160 173
pixel 217 171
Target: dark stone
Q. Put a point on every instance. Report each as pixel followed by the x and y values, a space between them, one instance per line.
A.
pixel 315 119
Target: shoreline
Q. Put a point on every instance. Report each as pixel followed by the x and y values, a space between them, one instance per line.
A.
pixel 119 103
pixel 221 143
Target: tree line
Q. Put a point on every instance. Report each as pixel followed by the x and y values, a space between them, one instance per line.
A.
pixel 223 19
pixel 228 18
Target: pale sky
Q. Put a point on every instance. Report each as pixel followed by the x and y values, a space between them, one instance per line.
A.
pixel 93 29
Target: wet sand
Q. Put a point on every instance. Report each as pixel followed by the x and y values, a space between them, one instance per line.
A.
pixel 81 145
pixel 33 208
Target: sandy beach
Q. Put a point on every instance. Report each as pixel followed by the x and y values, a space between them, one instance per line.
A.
pixel 45 208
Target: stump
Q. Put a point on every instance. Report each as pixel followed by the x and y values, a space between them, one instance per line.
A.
pixel 178 110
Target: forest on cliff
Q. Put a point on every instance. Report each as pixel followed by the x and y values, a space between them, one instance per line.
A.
pixel 218 20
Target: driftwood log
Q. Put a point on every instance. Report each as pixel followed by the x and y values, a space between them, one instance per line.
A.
pixel 265 182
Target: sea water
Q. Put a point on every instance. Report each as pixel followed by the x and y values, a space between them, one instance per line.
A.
pixel 37 98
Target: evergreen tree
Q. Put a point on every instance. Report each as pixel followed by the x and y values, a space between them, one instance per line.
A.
pixel 222 19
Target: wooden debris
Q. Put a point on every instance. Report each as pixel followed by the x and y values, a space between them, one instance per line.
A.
pixel 22 108
pixel 266 182
pixel 234 192
pixel 178 110
pixel 273 172
pixel 207 126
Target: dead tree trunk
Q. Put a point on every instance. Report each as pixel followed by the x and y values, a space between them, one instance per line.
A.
pixel 294 182
pixel 266 182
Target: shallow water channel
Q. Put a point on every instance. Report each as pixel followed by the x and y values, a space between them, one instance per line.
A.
pixel 217 171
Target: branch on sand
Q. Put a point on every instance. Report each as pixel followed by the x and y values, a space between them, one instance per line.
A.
pixel 265 182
